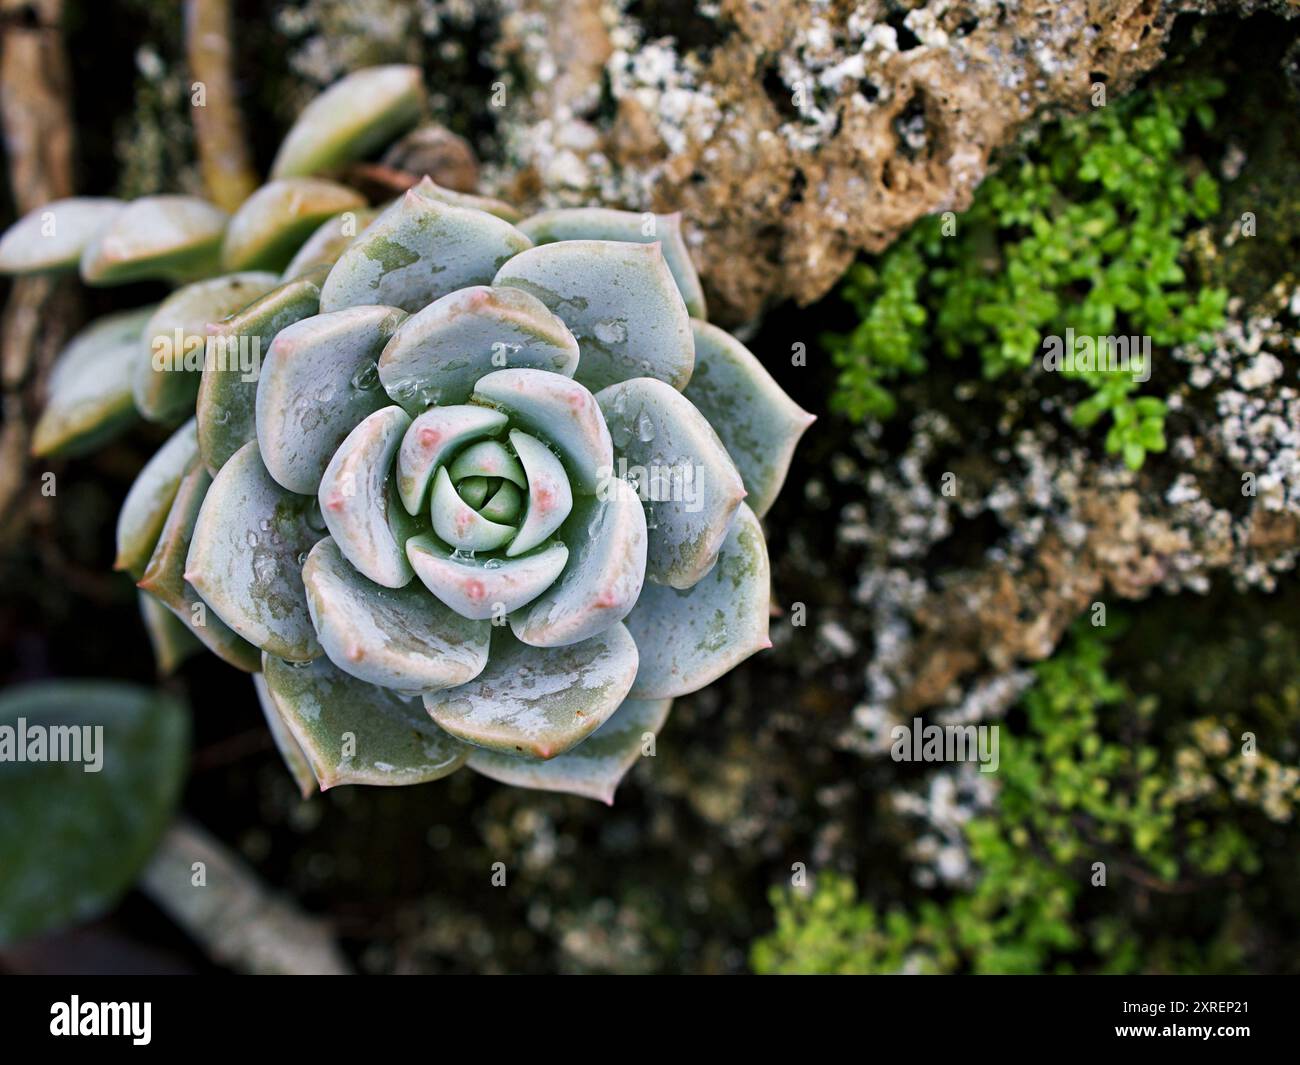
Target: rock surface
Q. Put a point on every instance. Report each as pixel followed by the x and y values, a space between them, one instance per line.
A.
pixel 795 135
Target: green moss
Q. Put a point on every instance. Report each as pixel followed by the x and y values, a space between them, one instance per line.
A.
pixel 1086 232
pixel 1090 773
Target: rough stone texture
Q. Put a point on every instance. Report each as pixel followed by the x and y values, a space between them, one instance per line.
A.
pixel 1072 532
pixel 960 593
pixel 796 134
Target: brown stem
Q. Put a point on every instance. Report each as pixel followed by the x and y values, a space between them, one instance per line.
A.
pixel 34 77
pixel 35 87
pixel 379 182
pixel 218 128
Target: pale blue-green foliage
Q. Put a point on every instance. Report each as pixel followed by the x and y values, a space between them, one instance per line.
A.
pixel 1084 231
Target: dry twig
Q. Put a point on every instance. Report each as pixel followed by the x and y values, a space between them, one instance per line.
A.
pixel 230 913
pixel 218 129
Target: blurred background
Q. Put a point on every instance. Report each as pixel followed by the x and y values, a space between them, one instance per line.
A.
pixel 893 203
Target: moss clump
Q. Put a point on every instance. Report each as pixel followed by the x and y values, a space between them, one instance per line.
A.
pixel 1085 232
pixel 1090 773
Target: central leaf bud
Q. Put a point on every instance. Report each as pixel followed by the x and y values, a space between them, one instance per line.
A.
pixel 496 494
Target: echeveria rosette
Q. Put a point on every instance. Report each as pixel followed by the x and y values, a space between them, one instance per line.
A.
pixel 427 534
pixel 493 499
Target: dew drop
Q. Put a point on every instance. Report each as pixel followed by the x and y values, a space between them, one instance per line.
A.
pixel 265 569
pixel 366 379
pixel 613 331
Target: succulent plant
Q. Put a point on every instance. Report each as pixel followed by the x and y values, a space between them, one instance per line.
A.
pixel 493 494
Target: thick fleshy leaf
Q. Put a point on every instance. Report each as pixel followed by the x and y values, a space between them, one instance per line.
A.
pixel 228 387
pixel 441 351
pixel 417 251
pixel 560 411
pixel 595 767
pixel 681 470
pixel 332 238
pixel 318 381
pixel 357 733
pixel 432 438
pixel 690 638
pixel 473 490
pixel 619 300
pixel 75 841
pixel 351 119
pixel 273 222
pixel 488 458
pixel 756 421
pixel 550 499
pixel 359 502
pixel 539 701
pixel 88 399
pixel 175 341
pixel 173 238
pixel 605 223
pixel 246 558
pixel 606 535
pixel 54 237
pixel 430 188
pixel 164 576
pixel 170 638
pixel 398 638
pixel 459 524
pixel 144 511
pixel 505 504
pixel 294 760
pixel 484 588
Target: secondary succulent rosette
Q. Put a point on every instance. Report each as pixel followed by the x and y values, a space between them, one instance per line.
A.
pixel 492 497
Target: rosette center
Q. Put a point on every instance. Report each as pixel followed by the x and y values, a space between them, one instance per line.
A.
pixel 497 494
